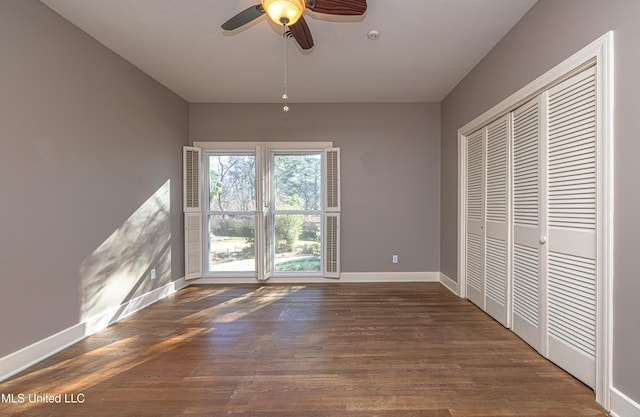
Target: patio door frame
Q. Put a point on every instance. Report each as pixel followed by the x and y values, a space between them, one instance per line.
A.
pixel 264 152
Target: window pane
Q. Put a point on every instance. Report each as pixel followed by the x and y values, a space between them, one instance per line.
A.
pixel 297 242
pixel 297 182
pixel 232 243
pixel 232 182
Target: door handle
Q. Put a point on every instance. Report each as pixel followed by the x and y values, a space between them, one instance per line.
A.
pixel 543 240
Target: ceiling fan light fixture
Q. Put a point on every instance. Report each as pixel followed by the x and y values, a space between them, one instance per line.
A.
pixel 284 12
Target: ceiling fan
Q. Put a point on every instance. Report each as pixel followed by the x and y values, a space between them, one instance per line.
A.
pixel 289 14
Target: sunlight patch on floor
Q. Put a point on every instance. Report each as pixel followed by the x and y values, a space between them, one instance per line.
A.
pixel 106 365
pixel 238 307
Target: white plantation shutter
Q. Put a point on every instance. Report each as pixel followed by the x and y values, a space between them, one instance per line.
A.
pixel 572 192
pixel 332 175
pixel 497 214
pixel 191 184
pixel 528 194
pixel 332 245
pixel 192 245
pixel 475 217
pixel 331 231
pixel 191 179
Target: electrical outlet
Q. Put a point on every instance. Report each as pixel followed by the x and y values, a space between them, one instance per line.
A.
pixel 395 259
pixel 153 273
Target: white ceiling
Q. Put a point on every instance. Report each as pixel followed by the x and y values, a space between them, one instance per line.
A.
pixel 425 47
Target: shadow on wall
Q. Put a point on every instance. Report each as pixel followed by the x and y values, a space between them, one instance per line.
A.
pixel 119 269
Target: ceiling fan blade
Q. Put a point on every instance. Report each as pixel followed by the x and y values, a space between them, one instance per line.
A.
pixel 338 7
pixel 302 34
pixel 243 17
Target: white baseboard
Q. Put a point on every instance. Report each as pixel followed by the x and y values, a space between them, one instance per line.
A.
pixel 389 277
pixel 36 352
pixel 623 406
pixel 450 284
pixel 345 277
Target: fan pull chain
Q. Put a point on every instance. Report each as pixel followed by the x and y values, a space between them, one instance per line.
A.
pixel 285 96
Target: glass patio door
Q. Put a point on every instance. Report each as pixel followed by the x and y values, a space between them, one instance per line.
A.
pixel 231 213
pixel 297 212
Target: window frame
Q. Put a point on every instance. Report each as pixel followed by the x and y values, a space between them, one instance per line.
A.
pixel 250 148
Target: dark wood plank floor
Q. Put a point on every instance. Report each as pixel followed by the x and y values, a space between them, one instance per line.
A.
pixel 360 350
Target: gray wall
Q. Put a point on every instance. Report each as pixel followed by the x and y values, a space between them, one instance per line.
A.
pixel 550 32
pixel 90 177
pixel 390 171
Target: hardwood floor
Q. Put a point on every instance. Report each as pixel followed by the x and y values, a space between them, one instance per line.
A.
pixel 353 350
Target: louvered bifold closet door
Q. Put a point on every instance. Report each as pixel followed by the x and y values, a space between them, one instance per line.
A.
pixel 191 186
pixel 475 218
pixel 528 223
pixel 572 186
pixel 497 224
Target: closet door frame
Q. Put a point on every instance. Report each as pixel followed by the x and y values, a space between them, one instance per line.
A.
pixel 600 54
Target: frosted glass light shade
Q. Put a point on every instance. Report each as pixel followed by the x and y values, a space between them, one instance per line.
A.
pixel 284 11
